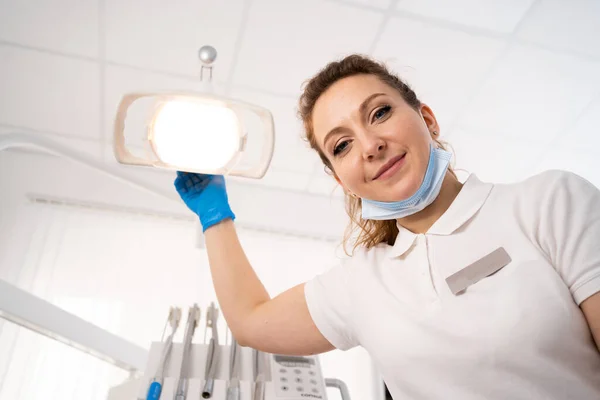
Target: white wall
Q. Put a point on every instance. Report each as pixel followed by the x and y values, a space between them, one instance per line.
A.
pixel 122 271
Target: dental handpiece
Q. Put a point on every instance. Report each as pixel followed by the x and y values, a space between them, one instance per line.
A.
pixel 155 388
pixel 259 375
pixel 213 352
pixel 233 390
pixel 192 323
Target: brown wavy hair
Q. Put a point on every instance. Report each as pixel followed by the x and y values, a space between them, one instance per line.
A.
pixel 370 232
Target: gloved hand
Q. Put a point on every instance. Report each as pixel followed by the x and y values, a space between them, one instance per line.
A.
pixel 206 196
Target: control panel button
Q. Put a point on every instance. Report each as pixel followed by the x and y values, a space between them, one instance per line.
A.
pixel 285 388
pixel 283 370
pixel 300 389
pixel 283 379
pixel 298 371
pixel 313 381
pixel 298 380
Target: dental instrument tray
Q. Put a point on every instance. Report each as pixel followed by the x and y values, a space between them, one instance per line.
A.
pixel 292 377
pixel 227 371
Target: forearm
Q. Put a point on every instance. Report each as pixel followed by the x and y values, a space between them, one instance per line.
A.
pixel 238 289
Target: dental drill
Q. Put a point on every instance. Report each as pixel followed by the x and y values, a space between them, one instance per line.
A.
pixel 214 353
pixel 259 372
pixel 192 323
pixel 233 390
pixel 155 388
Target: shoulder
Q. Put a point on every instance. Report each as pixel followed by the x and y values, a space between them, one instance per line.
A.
pixel 556 179
pixel 550 185
pixel 545 199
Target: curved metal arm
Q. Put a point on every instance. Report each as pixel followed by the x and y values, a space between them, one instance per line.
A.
pixel 11 140
pixel 336 383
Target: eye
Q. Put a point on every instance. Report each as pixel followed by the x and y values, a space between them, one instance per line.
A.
pixel 381 112
pixel 341 146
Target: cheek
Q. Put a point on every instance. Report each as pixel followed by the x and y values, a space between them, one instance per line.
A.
pixel 349 173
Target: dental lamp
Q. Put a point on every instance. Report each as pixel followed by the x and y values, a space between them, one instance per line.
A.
pixel 192 131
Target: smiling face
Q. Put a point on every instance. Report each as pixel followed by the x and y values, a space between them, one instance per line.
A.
pixel 377 145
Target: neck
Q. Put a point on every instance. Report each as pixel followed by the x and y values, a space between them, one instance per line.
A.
pixel 424 219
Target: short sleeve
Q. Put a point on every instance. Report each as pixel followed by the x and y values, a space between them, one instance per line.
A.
pixel 329 301
pixel 570 232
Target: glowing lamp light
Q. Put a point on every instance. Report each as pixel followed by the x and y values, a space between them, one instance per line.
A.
pixel 201 136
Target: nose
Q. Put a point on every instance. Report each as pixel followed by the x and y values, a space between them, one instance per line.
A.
pixel 373 147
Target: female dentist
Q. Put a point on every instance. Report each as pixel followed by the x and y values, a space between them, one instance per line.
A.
pixel 457 291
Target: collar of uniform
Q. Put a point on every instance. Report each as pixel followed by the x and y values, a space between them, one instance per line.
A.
pixel 468 201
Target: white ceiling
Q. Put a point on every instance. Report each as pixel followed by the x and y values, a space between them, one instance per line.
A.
pixel 515 83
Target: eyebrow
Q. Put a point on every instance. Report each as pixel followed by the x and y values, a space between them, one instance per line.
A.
pixel 361 108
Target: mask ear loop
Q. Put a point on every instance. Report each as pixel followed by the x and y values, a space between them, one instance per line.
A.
pixel 435 137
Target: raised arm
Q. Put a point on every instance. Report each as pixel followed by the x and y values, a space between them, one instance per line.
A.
pixel 281 325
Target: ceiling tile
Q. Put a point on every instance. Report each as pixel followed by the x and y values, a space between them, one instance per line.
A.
pixel 533 93
pixel 70 26
pixel 496 15
pixel 572 25
pixel 492 157
pixel 583 135
pixel 292 153
pixel 584 165
pixel 286 43
pixel 443 66
pixel 150 34
pixel 49 93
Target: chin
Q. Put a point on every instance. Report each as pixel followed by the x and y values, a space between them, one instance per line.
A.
pixel 403 189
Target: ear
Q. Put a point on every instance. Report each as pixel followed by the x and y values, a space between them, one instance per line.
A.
pixel 429 118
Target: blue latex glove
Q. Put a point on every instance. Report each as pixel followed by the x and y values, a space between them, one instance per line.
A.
pixel 206 196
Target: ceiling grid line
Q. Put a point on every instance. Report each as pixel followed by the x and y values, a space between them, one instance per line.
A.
pixel 382 26
pixel 238 45
pixel 441 23
pixel 44 50
pixel 360 6
pixel 511 40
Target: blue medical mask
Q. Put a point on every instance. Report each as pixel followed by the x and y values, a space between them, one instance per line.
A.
pixel 430 189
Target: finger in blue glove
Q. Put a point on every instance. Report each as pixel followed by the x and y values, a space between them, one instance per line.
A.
pixel 206 196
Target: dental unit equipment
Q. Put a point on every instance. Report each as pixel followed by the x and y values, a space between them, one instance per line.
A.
pixel 233 389
pixel 213 355
pixel 192 323
pixel 259 374
pixel 155 388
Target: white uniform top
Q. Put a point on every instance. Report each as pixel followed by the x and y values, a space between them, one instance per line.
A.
pixel 517 334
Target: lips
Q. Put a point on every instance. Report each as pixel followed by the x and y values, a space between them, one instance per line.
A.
pixel 388 165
